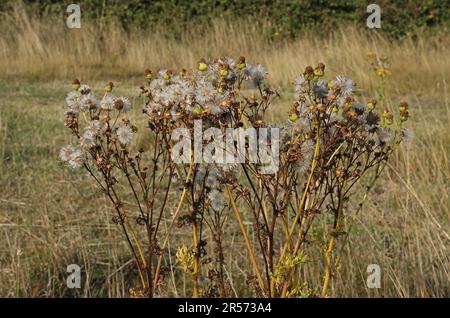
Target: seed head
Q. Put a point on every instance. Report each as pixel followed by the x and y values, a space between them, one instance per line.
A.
pixel 371 56
pixel 118 104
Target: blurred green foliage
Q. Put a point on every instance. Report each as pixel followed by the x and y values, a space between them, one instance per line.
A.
pixel 287 17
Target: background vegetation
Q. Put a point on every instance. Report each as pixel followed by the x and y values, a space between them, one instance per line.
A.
pixel 47 221
pixel 283 17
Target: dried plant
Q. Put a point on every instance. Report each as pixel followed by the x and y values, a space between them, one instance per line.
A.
pixel 295 183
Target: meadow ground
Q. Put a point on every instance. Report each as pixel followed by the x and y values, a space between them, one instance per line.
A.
pixel 47 219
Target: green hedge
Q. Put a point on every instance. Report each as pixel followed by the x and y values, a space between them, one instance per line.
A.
pixel 398 17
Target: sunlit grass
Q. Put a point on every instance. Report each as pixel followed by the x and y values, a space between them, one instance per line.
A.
pixel 46 221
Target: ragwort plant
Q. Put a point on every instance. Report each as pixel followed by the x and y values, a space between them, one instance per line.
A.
pixel 327 144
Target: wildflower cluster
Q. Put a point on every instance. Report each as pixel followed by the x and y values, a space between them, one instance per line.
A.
pixel 380 65
pixel 91 122
pixel 329 141
pixel 208 93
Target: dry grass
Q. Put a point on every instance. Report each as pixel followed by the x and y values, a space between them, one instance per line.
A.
pixel 46 221
pixel 49 50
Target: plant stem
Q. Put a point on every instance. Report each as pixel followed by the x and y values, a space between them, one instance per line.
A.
pixel 166 239
pixel 303 199
pixel 246 239
pixel 329 251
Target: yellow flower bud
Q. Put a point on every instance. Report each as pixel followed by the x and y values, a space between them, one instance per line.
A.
pixel 241 62
pixel 403 106
pixel 388 119
pixel 293 117
pixel 197 111
pixel 202 67
pixel 371 56
pixel 404 115
pixel 318 72
pixel 109 87
pixel 148 74
pixel 380 72
pixel 76 85
pixel 224 73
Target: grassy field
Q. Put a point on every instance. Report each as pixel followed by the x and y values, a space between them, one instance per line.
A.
pixel 47 219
